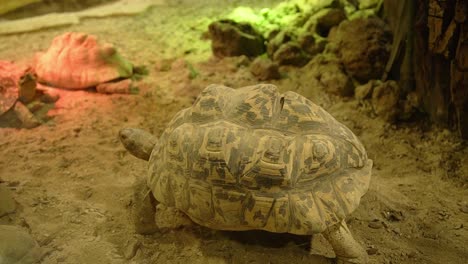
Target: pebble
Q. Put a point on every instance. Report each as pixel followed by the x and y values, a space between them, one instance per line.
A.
pixel 464 208
pixel 372 251
pixel 375 224
pixel 131 249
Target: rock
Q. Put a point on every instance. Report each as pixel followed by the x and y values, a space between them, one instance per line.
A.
pixel 372 251
pixel 363 46
pixel 410 106
pixel 242 61
pixel 330 73
pixel 163 65
pixel 131 249
pixel 375 224
pixel 265 69
pixel 329 18
pixel 364 91
pixel 7 204
pixel 385 99
pixel 17 246
pixel 310 44
pixel 365 4
pixel 464 208
pixel 277 39
pixel 291 54
pixel 229 38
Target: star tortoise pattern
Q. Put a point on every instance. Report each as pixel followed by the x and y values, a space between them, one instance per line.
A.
pixel 252 158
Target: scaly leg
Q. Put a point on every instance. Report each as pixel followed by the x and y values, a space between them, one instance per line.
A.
pixel 347 250
pixel 143 208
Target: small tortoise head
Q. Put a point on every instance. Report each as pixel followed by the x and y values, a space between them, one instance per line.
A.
pixel 138 142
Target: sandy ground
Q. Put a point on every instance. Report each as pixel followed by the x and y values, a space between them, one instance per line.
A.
pixel 72 178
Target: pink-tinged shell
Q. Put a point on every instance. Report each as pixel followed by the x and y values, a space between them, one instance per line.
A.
pixel 78 61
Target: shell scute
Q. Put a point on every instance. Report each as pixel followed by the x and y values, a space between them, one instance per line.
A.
pixel 200 201
pixel 254 106
pixel 257 210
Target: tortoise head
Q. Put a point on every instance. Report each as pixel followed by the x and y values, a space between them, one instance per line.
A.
pixel 138 142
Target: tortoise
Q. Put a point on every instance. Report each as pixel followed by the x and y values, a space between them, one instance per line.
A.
pixel 17 88
pixel 254 159
pixel 76 60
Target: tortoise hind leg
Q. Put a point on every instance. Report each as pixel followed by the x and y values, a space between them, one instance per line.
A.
pixel 143 208
pixel 347 250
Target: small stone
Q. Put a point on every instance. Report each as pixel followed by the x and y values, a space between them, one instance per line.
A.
pixel 277 39
pixel 385 98
pixel 164 65
pixel 309 44
pixel 242 61
pixel 131 249
pixel 393 215
pixel 372 251
pixel 264 69
pixel 375 224
pixel 464 208
pixel 397 231
pixel 412 254
pixel 364 91
pixel 291 54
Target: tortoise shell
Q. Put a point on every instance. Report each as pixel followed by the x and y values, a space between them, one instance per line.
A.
pixel 77 60
pixel 253 158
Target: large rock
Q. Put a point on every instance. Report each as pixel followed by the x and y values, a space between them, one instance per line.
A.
pixel 363 46
pixel 329 72
pixel 17 246
pixel 329 18
pixel 229 38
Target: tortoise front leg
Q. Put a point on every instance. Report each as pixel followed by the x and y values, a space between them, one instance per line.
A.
pixel 143 208
pixel 27 119
pixel 347 250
